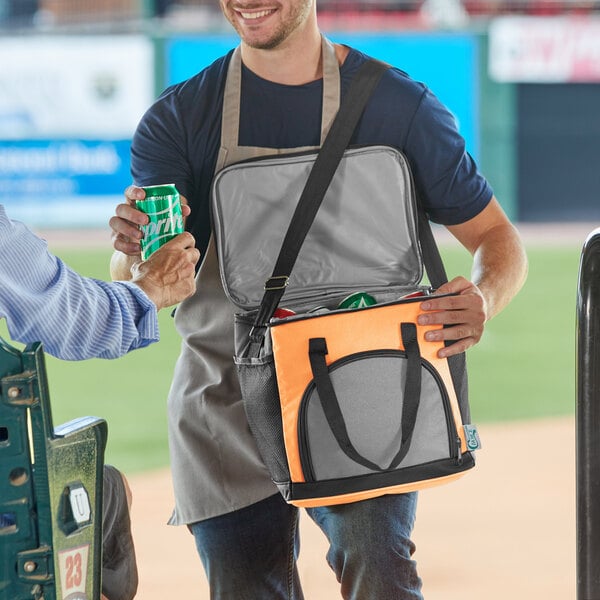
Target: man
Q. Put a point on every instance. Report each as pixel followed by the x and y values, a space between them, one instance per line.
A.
pixel 246 535
pixel 119 569
pixel 78 317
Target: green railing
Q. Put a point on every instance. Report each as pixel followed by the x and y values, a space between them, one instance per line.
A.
pixel 50 488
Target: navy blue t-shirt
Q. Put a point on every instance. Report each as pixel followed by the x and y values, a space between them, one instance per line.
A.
pixel 178 138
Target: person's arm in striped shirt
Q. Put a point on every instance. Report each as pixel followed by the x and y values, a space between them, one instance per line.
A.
pixel 77 317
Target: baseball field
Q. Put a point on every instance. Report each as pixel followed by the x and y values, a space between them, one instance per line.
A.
pixel 505 530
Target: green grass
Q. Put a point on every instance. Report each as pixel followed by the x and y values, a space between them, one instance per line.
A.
pixel 523 368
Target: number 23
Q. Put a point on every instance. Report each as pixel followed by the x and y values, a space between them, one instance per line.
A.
pixel 73 565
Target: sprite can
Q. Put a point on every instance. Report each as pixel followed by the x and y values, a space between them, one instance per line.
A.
pixel 357 300
pixel 163 207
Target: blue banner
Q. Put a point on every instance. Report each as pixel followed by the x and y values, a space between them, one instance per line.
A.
pixel 63 182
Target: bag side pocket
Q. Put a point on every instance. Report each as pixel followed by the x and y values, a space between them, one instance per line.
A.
pixel 261 403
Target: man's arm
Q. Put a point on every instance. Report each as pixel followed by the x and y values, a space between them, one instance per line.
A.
pixel 78 317
pixel 498 273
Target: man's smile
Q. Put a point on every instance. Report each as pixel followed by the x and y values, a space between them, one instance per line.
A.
pixel 256 14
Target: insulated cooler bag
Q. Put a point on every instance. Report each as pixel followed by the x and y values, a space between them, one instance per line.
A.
pixel 344 403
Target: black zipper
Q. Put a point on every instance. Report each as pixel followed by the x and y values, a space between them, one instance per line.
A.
pixel 301 153
pixel 304 450
pixel 335 311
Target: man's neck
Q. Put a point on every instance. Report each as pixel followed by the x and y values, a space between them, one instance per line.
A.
pixel 295 61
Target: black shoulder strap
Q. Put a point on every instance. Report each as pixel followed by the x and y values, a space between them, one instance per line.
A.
pixel 431 254
pixel 318 181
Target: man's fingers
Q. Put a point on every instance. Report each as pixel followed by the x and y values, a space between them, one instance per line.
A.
pixel 133 193
pixel 461 336
pixel 168 276
pixel 131 214
pixel 457 332
pixel 125 245
pixel 452 309
pixel 183 248
pixel 460 316
pixel 454 286
pixel 185 208
pixel 457 347
pixel 181 241
pixel 123 232
pixel 125 225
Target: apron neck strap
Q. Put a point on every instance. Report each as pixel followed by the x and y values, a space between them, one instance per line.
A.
pixel 230 120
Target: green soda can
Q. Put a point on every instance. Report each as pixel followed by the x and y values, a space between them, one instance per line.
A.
pixel 163 207
pixel 357 300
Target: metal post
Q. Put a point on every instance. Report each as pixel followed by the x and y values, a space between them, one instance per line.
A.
pixel 588 421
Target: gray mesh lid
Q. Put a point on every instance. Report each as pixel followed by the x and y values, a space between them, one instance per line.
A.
pixel 364 236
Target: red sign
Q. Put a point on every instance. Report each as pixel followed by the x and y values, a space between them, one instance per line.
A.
pixel 545 50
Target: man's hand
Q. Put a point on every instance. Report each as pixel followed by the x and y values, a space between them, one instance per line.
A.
pixel 464 316
pixel 168 276
pixel 126 223
pixel 126 233
pixel 498 272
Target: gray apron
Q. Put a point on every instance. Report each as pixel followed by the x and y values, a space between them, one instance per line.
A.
pixel 215 463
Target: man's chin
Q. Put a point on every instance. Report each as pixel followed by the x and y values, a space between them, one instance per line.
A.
pixel 262 42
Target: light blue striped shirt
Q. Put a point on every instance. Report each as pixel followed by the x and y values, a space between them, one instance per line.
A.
pixel 74 317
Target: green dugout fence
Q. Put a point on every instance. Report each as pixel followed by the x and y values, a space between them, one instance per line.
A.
pixel 50 489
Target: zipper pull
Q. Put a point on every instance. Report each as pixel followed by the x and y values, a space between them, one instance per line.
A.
pixel 458 452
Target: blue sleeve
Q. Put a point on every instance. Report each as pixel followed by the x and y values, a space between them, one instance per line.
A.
pixel 446 177
pixel 177 141
pixel 74 317
pixel 159 151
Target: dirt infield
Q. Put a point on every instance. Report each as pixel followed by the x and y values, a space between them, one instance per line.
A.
pixel 506 530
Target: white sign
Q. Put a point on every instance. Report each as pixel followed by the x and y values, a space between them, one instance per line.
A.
pixel 73 570
pixel 80 504
pixel 545 49
pixel 75 86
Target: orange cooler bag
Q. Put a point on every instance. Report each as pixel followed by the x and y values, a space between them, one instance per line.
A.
pixel 354 403
pixel 344 403
pixel 367 407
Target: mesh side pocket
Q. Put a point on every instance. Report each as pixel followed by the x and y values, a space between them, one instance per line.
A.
pixel 261 402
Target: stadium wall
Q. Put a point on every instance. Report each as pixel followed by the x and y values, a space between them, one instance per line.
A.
pixel 69 106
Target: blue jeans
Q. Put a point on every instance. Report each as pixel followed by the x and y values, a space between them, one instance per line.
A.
pixel 250 554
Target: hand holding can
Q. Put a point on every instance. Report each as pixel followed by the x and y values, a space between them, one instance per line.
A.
pixel 163 207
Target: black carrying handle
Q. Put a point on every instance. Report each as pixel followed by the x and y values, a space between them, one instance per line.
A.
pixel 331 406
pixel 314 191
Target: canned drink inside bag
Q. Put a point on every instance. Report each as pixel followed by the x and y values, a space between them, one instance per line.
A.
pixel 357 300
pixel 163 207
pixel 318 310
pixel 417 294
pixel 282 313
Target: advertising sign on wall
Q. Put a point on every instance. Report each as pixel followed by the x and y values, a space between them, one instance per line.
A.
pixel 63 183
pixel 545 49
pixel 68 109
